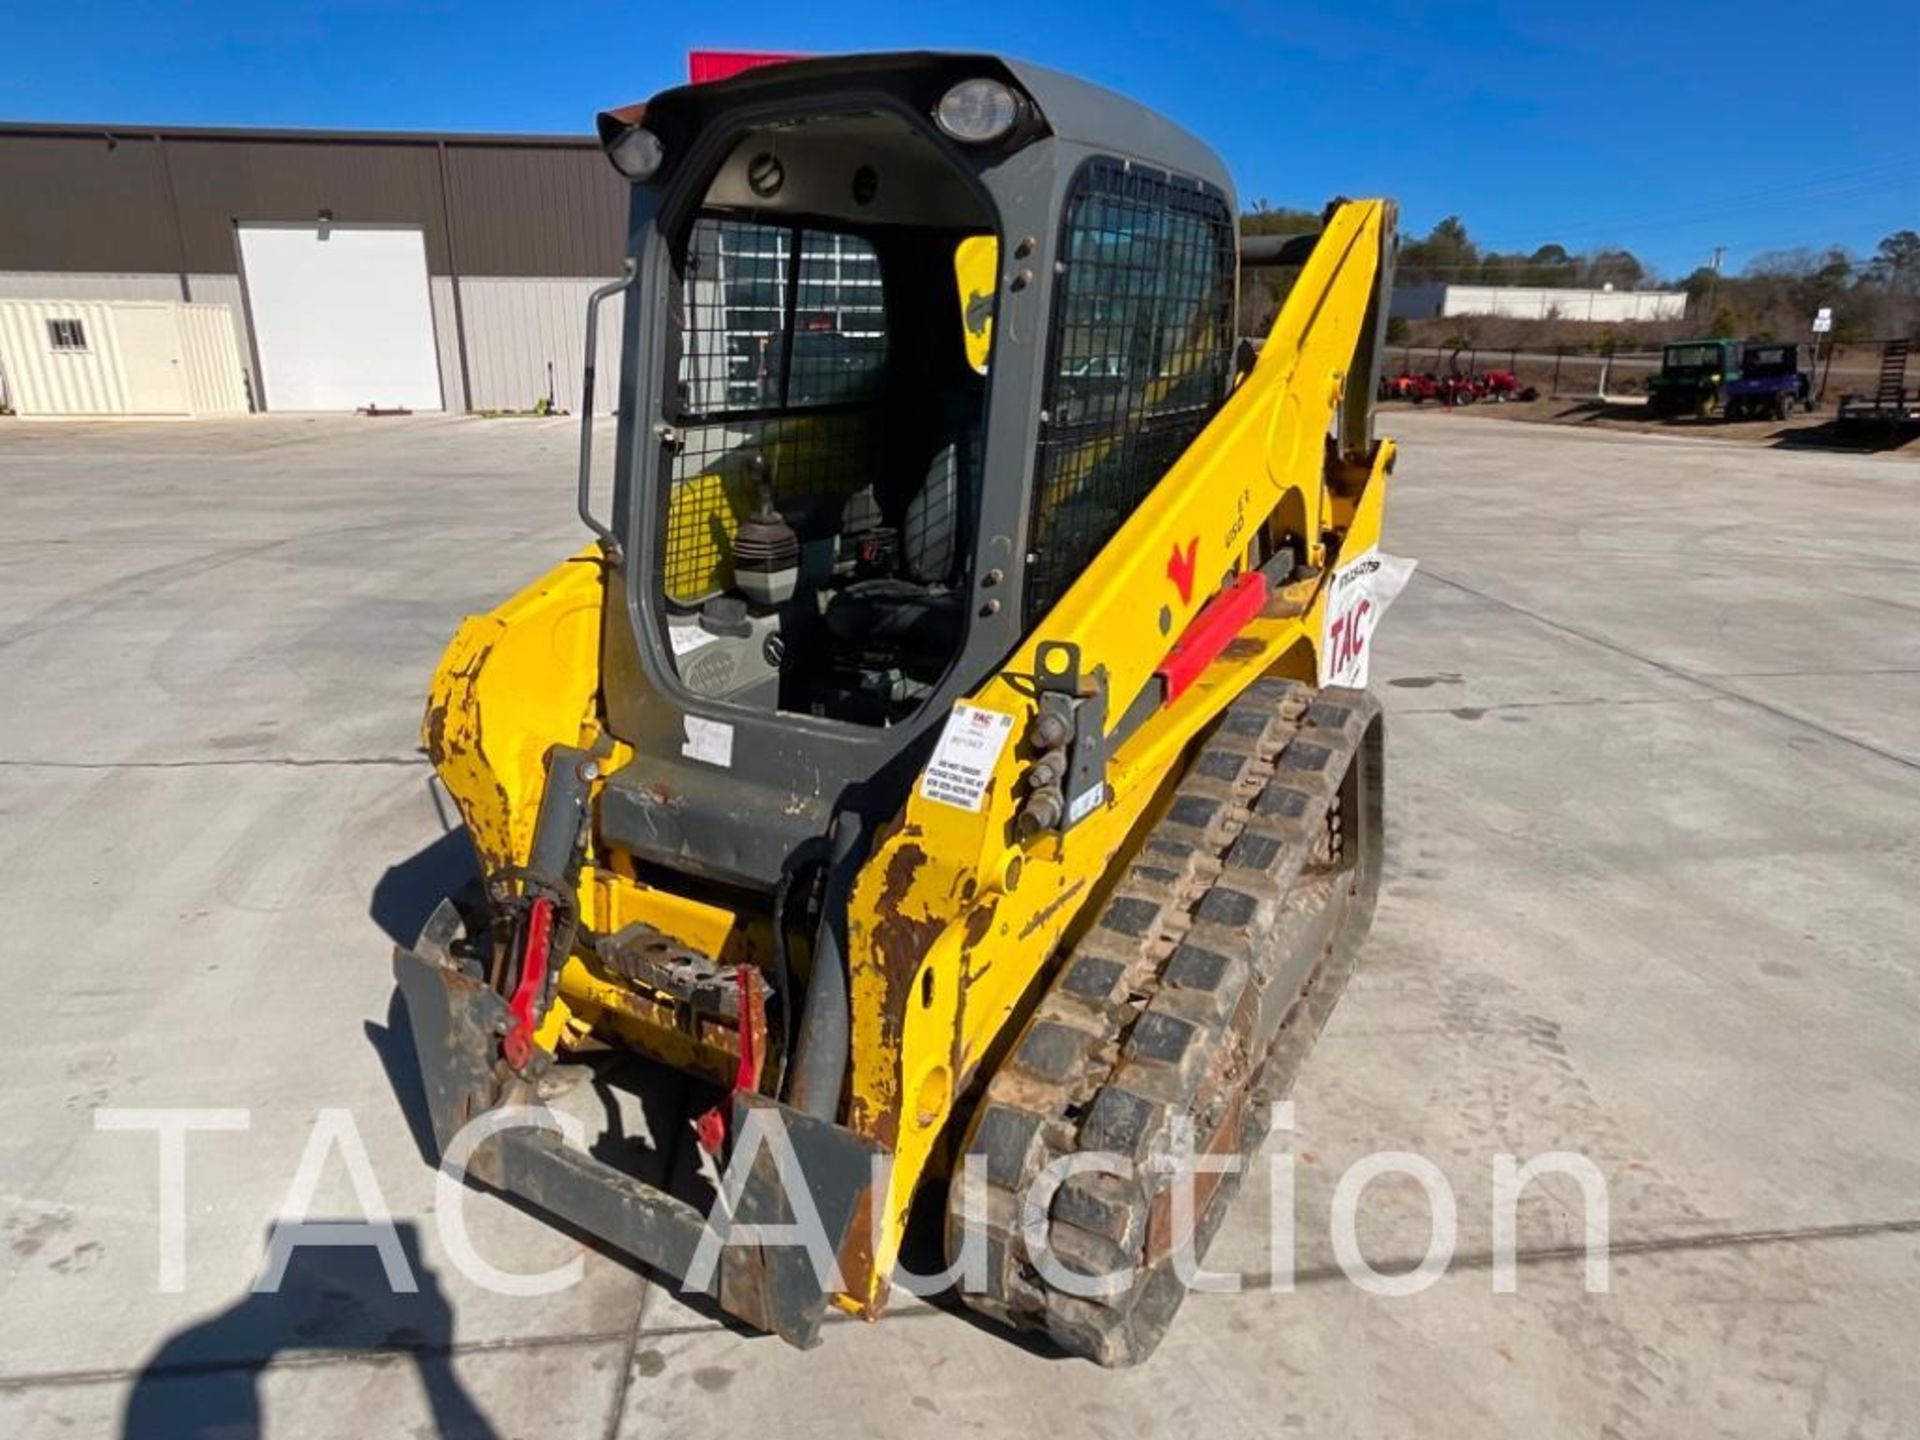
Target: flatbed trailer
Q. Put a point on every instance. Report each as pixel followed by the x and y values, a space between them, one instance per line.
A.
pixel 1891 405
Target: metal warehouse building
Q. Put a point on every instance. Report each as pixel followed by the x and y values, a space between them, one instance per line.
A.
pixel 425 271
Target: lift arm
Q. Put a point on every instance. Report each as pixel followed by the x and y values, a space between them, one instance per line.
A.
pixel 954 917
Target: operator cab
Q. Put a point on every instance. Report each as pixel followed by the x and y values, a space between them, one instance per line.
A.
pixel 905 341
pixel 826 417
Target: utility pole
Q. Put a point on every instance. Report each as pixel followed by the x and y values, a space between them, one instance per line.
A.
pixel 1713 281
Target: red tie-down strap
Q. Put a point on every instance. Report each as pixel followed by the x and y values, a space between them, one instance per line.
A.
pixel 710 1128
pixel 517 1046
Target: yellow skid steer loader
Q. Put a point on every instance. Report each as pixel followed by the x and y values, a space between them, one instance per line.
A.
pixel 936 765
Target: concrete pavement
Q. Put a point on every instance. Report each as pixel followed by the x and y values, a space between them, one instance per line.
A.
pixel 1651 897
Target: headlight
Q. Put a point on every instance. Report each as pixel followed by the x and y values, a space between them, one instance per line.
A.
pixel 977 111
pixel 637 154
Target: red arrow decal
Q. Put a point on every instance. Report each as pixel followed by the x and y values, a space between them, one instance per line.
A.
pixel 1180 569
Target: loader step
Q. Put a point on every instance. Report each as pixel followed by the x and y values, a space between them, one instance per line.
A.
pixel 1195 997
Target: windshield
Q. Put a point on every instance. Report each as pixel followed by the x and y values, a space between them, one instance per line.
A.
pixel 1691 357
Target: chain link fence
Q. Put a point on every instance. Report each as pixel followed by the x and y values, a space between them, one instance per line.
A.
pixel 1568 372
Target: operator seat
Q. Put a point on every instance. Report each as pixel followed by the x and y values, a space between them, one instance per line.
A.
pixel 920 613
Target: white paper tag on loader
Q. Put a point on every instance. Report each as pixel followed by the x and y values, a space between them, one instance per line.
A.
pixel 964 760
pixel 685 639
pixel 1357 596
pixel 708 740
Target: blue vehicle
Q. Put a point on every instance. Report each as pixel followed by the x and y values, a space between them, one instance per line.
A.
pixel 1770 384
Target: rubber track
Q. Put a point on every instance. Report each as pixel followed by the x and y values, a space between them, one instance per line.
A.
pixel 1198 991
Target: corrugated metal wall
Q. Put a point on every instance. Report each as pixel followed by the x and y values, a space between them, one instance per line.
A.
pixel 216 380
pixel 225 290
pixel 446 341
pixel 516 327
pixel 219 182
pixel 536 213
pixel 42 380
pixel 84 200
pixel 528 225
pixel 81 285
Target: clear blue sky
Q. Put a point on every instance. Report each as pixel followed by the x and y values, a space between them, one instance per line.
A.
pixel 1667 128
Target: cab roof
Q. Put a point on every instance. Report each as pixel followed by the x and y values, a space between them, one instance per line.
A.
pixel 1071 110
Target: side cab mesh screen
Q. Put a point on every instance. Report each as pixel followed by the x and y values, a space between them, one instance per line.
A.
pixel 1140 354
pixel 781 367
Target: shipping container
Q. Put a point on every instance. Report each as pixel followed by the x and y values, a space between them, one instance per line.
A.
pixel 120 357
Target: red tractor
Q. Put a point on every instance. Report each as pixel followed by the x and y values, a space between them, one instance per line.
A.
pixel 1458 387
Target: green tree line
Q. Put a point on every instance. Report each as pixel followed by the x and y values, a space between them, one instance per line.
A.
pixel 1776 294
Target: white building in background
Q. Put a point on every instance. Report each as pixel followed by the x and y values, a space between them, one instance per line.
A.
pixel 1536 302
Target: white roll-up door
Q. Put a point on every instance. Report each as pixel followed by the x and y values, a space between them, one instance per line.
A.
pixel 341 316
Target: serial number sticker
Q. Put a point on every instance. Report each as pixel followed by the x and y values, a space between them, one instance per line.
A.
pixel 1086 802
pixel 963 762
pixel 708 740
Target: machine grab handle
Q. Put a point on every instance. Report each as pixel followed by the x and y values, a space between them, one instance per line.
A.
pixel 587 517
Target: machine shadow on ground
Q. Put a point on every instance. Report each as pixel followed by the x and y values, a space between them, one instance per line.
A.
pixel 406 894
pixel 1630 418
pixel 205 1379
pixel 1858 439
